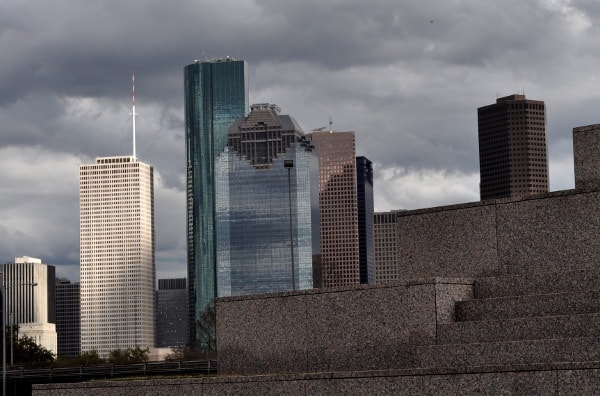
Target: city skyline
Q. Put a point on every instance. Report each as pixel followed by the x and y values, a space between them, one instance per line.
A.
pixel 406 77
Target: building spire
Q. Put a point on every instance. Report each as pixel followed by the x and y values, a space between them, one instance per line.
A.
pixel 133 113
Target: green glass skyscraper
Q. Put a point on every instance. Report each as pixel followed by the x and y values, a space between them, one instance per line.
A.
pixel 216 94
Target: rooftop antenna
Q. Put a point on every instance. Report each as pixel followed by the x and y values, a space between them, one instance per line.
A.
pixel 330 125
pixel 133 113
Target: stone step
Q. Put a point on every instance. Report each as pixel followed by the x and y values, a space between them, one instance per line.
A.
pixel 532 328
pixel 537 283
pixel 585 349
pixel 528 306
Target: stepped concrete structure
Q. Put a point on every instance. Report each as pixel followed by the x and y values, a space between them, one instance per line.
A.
pixel 495 297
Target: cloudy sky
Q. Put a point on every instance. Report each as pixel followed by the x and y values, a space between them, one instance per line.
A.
pixel 407 76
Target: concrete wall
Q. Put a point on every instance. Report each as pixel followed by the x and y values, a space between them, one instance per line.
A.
pixel 550 232
pixel 565 380
pixel 586 141
pixel 360 328
pixel 368 327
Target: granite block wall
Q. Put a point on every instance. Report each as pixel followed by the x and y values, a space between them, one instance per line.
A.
pixel 553 233
pixel 458 240
pixel 361 328
pixel 586 140
pixel 546 233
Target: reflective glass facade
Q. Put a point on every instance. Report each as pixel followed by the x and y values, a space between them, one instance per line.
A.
pixel 254 190
pixel 216 93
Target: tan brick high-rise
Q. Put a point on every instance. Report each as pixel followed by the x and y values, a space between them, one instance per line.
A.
pixel 339 213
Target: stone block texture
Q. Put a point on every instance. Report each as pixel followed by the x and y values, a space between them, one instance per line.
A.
pixel 452 241
pixel 544 233
pixel 554 233
pixel 586 140
pixel 361 328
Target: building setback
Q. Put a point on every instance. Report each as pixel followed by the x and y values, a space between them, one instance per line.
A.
pixel 216 94
pixel 365 204
pixel 512 148
pixel 116 197
pixel 68 316
pixel 30 299
pixel 267 166
pixel 339 212
pixel 172 328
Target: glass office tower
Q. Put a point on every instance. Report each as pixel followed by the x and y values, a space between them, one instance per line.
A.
pixel 216 93
pixel 267 165
pixel 366 208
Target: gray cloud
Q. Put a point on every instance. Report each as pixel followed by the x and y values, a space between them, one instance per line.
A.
pixel 406 76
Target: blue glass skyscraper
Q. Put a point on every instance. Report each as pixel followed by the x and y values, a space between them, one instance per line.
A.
pixel 267 166
pixel 216 94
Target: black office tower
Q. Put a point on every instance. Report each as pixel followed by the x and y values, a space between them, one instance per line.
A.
pixel 512 148
pixel 365 203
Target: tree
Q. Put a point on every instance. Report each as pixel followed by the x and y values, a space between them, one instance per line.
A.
pixel 89 358
pixel 185 353
pixel 26 351
pixel 206 329
pixel 128 356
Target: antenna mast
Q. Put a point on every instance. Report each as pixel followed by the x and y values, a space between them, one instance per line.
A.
pixel 133 113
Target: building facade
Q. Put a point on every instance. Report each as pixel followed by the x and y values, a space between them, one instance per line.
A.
pixel 117 270
pixel 172 327
pixel 339 211
pixel 216 94
pixel 366 208
pixel 30 299
pixel 68 316
pixel 385 237
pixel 512 148
pixel 267 212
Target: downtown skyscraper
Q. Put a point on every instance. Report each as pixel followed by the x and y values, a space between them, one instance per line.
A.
pixel 366 209
pixel 68 317
pixel 512 148
pixel 267 211
pixel 340 263
pixel 117 270
pixel 216 94
pixel 30 299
